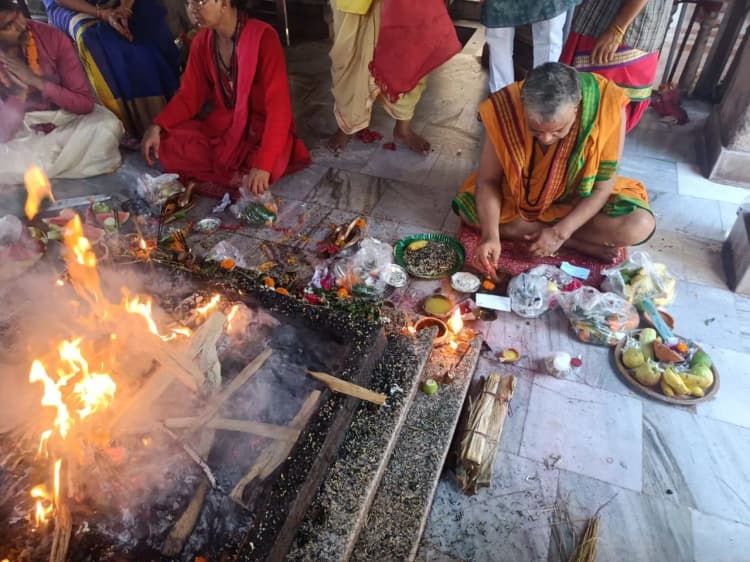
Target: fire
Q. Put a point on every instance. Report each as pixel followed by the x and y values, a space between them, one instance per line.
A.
pixel 143 309
pixel 230 318
pixel 38 189
pixel 81 261
pixel 211 305
pixel 43 507
pixel 52 397
pixel 455 322
pixel 453 344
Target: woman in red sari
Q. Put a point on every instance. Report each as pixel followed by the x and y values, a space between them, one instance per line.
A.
pixel 230 123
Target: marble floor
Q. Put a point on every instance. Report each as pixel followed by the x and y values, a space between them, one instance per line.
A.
pixel 676 477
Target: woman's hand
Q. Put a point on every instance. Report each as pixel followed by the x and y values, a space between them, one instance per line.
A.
pixel 150 144
pixel 487 256
pixel 117 19
pixel 546 242
pixel 257 181
pixel 606 47
pixel 19 72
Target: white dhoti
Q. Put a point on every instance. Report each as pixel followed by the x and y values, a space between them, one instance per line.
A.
pixel 79 146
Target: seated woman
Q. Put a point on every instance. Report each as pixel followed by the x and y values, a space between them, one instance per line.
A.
pixel 230 124
pixel 548 170
pixel 47 112
pixel 128 52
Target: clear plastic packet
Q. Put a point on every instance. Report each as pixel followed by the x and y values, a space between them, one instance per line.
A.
pixel 599 318
pixel 255 210
pixel 227 251
pixel 157 189
pixel 530 295
pixel 638 278
pixel 366 271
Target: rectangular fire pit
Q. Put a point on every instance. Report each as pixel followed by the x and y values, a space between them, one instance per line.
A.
pixel 225 470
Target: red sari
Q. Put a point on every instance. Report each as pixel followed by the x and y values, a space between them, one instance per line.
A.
pixel 205 139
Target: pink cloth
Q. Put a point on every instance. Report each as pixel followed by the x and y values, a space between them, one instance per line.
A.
pixel 65 83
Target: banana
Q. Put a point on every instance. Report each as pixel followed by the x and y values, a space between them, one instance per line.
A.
pixel 417 245
pixel 666 389
pixel 696 391
pixel 674 380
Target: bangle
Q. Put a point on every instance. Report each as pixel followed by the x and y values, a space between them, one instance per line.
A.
pixel 617 31
pixel 98 12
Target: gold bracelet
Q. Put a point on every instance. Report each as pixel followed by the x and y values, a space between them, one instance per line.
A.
pixel 617 31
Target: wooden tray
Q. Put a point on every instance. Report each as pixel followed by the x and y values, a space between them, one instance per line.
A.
pixel 656 394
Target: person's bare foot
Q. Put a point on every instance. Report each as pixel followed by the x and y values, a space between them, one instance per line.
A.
pixel 403 132
pixel 605 254
pixel 338 141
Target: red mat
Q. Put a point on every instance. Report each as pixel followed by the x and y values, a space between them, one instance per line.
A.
pixel 515 259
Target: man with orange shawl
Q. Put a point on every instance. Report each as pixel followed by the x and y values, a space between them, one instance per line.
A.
pixel 548 170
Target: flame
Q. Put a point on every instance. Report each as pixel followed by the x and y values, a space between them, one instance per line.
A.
pixel 38 188
pixel 52 397
pixel 142 244
pixel 455 322
pixel 43 508
pixel 212 304
pixel 453 344
pixel 230 317
pixel 43 441
pixel 143 309
pixel 81 261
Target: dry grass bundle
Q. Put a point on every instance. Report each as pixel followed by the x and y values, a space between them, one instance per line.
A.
pixel 583 547
pixel 481 435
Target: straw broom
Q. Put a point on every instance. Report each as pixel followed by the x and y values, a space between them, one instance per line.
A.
pixel 485 423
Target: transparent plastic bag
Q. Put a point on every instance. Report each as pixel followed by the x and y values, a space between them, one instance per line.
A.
pixel 226 250
pixel 366 271
pixel 638 278
pixel 530 295
pixel 157 189
pixel 11 229
pixel 255 210
pixel 599 318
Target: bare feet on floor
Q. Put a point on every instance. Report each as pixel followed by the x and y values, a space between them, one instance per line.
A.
pixel 337 143
pixel 403 133
pixel 605 254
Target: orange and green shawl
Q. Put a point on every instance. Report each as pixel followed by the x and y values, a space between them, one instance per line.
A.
pixel 587 155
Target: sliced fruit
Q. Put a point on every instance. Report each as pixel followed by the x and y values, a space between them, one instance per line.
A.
pixel 417 245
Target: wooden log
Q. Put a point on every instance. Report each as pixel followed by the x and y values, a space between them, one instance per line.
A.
pixel 277 432
pixel 181 365
pixel 203 348
pixel 154 387
pixel 350 389
pixel 507 388
pixel 276 453
pixel 233 386
pixel 61 537
pixel 193 454
pixel 183 527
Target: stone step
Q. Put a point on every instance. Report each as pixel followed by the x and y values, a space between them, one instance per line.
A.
pixel 399 513
pixel 341 506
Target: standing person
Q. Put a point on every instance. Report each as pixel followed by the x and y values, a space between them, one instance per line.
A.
pixel 385 50
pixel 620 39
pixel 127 51
pixel 247 138
pixel 500 17
pixel 47 112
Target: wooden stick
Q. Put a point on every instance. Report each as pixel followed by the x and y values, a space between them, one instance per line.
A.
pixel 154 387
pixel 277 432
pixel 203 347
pixel 61 538
pixel 181 366
pixel 184 526
pixel 233 386
pixel 276 453
pixel 193 454
pixel 338 385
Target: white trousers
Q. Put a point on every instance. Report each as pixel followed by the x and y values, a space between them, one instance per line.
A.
pixel 80 146
pixel 548 44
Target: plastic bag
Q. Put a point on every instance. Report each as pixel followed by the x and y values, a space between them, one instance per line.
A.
pixel 255 210
pixel 157 189
pixel 530 295
pixel 226 250
pixel 599 318
pixel 365 273
pixel 638 278
pixel 11 229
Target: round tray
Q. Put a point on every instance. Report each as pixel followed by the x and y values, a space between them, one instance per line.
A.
pixel 655 394
pixel 400 248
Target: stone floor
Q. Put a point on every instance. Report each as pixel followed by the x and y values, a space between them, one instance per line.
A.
pixel 678 476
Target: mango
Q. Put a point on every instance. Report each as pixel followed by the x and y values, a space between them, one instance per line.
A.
pixel 417 245
pixel 701 358
pixel 704 374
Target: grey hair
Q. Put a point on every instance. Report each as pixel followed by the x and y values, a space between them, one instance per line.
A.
pixel 549 88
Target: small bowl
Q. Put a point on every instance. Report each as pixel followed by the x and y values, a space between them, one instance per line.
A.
pixel 666 316
pixel 425 305
pixel 396 276
pixel 465 282
pixel 430 321
pixel 207 225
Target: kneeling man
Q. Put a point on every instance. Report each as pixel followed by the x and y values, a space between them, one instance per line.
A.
pixel 548 170
pixel 48 114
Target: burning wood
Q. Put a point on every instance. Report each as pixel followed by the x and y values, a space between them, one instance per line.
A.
pixel 193 454
pixel 276 453
pixel 203 347
pixel 350 389
pixel 278 432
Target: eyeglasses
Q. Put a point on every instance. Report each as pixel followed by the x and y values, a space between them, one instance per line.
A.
pixel 196 3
